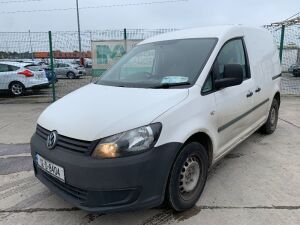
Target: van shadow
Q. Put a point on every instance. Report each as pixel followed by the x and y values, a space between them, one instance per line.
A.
pixel 163 214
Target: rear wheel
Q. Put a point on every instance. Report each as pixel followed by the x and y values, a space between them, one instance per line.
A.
pixel 188 177
pixel 270 126
pixel 17 88
pixel 71 75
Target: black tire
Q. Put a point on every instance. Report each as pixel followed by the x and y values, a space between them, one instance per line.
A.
pixel 270 126
pixel 296 73
pixel 71 75
pixel 16 88
pixel 183 191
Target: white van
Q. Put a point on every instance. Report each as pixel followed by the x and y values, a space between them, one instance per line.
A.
pixel 151 127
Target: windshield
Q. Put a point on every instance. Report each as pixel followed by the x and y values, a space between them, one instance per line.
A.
pixel 162 64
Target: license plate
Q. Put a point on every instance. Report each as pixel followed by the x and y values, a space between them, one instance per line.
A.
pixel 51 168
pixel 38 75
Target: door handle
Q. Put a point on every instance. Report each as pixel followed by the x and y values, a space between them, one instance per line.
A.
pixel 258 89
pixel 249 94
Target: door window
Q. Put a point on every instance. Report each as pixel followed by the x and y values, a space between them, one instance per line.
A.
pixel 4 68
pixel 62 65
pixel 13 68
pixel 232 52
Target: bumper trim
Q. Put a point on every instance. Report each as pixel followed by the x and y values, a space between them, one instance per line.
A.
pixel 112 185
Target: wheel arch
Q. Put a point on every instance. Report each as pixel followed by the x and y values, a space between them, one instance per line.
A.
pixel 204 139
pixel 277 97
pixel 15 81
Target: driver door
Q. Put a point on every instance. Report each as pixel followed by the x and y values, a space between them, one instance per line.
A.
pixel 58 70
pixel 233 104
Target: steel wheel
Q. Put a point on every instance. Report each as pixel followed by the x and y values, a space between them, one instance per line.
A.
pixel 189 176
pixel 71 75
pixel 273 116
pixel 270 126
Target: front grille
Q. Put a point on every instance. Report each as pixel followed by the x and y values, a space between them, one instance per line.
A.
pixel 74 192
pixel 66 143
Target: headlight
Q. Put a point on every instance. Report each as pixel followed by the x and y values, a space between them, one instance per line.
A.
pixel 128 143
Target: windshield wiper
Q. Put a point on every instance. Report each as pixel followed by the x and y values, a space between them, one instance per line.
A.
pixel 168 85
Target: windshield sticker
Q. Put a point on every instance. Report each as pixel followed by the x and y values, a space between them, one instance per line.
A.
pixel 174 80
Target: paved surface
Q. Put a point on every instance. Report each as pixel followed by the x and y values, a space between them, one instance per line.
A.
pixel 257 183
pixel 62 87
pixel 18 122
pixel 290 85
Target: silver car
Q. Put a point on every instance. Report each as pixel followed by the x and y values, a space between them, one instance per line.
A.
pixel 18 77
pixel 68 70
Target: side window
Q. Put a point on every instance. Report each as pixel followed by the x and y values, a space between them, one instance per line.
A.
pixel 208 85
pixel 4 68
pixel 231 53
pixel 13 68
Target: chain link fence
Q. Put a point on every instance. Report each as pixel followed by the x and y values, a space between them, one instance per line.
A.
pixel 23 51
pixel 19 51
pixel 288 41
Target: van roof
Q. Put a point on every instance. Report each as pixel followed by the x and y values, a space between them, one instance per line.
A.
pixel 200 32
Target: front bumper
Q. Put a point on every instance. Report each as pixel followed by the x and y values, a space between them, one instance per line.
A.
pixel 108 185
pixel 80 73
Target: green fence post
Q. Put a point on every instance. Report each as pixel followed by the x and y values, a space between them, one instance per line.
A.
pixel 52 67
pixel 281 42
pixel 125 39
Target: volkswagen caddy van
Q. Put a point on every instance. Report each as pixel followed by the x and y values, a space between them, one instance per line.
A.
pixel 150 128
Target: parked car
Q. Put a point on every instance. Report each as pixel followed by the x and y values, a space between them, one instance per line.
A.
pixel 87 62
pixel 151 127
pixel 50 76
pixel 18 77
pixel 296 71
pixel 68 70
pixel 292 67
pixel 38 66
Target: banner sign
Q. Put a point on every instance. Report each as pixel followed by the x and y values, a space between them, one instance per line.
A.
pixel 105 53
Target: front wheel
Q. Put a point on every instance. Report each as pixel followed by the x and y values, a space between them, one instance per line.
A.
pixel 270 126
pixel 188 177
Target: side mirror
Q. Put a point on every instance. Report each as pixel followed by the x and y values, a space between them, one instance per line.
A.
pixel 233 75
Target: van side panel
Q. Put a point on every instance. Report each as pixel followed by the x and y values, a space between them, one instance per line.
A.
pixel 264 66
pixel 194 115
